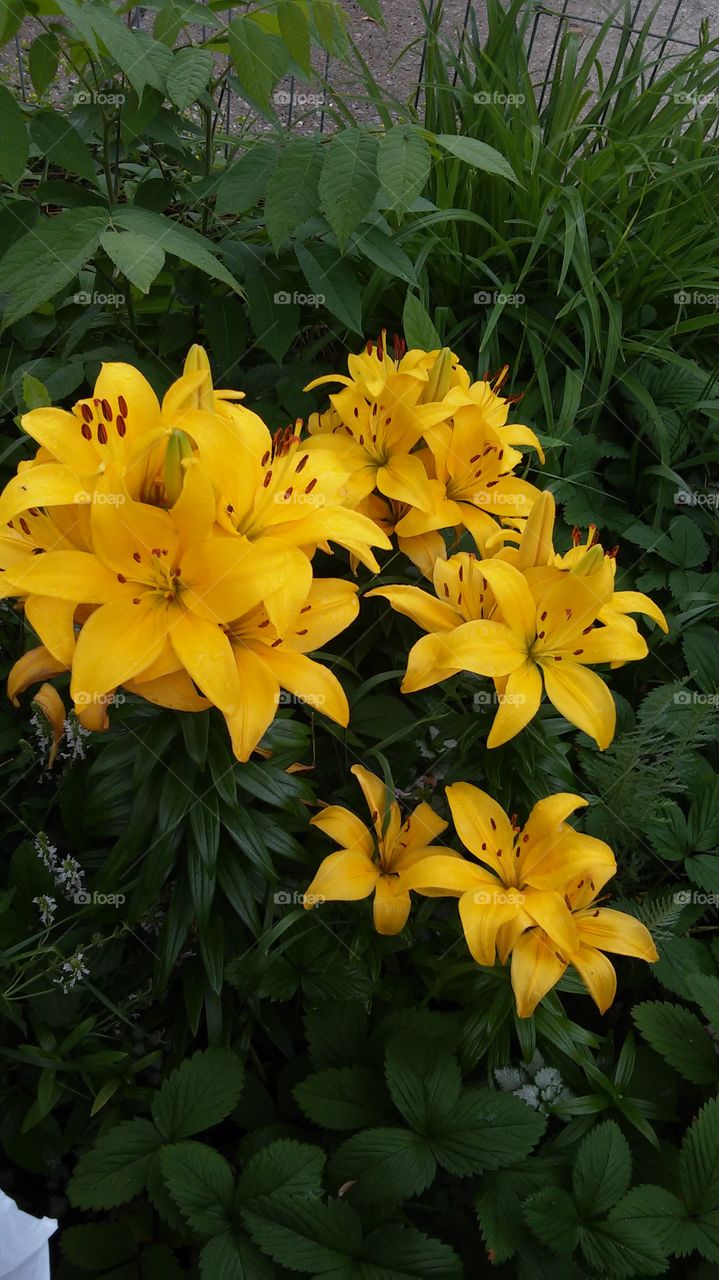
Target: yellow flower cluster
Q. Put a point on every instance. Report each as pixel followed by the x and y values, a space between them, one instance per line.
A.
pixel 530 893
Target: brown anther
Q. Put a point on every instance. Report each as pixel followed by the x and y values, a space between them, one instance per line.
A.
pixel 24 525
pixel 101 433
pixel 305 608
pixel 266 623
pixel 107 410
pixel 275 643
pixel 86 431
pixel 302 463
pixel 265 458
pixel 493 824
pixel 311 485
pixel 86 412
pixel 267 479
pixel 287 493
pixel 122 405
pixel 577 652
pixel 121 425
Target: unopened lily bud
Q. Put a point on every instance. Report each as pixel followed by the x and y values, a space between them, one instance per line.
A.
pixel 438 382
pixel 197 361
pixel 178 448
pixel 536 547
pixel 589 563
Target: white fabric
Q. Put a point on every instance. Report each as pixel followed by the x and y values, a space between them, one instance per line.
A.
pixel 24 1253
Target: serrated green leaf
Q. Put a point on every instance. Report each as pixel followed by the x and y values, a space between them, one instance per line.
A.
pixel 617 1248
pixel 259 61
pixel 344 1098
pixel 332 277
pixel 14 139
pixel 291 196
pixel 116 1168
pixel 231 1256
pixel 424 1082
pixel 274 317
pixel 384 252
pixel 286 1166
pixel 660 1212
pixel 386 1164
pixel 602 1170
pixel 699 1161
pixel 295 31
pixel 43 60
pixel 42 262
pixel 57 140
pixel 198 1094
pixel 189 75
pixel 486 1130
pixel 136 256
pixel 349 182
pixel 201 1183
pixel 418 328
pixel 680 1037
pixel 401 1253
pixel 182 242
pixel 403 164
pixel 304 1235
pixel 552 1216
pixel 243 183
pixel 143 60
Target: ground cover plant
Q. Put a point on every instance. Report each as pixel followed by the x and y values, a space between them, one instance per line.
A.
pixel 358 913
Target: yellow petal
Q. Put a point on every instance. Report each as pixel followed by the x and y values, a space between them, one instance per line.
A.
pixel 637 602
pixel 447 874
pixel 126 534
pixel 330 607
pixel 174 690
pixel 116 643
pixel 582 698
pixel 51 707
pixel 193 514
pixel 513 597
pixel 426 664
pixel 424 549
pixel 483 912
pixel 514 433
pixel 391 906
pixel 257 706
pixel 345 828
pixel 517 704
pixel 549 910
pixel 60 433
pixel 308 680
pixel 52 619
pixel 226 577
pixel 344 876
pixel 116 378
pixel 548 815
pixel 49 484
pixel 486 648
pixel 616 931
pixel 611 643
pixel 422 827
pixel 68 575
pixel 34 665
pixel 424 609
pixel 564 857
pixel 375 794
pixel 206 654
pixel 285 602
pixel 482 825
pixel 536 968
pixel 597 974
pixel 536 547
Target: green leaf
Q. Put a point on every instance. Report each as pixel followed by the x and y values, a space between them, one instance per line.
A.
pixel 136 256
pixel 702 659
pixel 259 61
pixel 487 1130
pixel 552 1216
pixel 34 392
pixel 201 1183
pixel 403 165
pixel 243 183
pixel 173 238
pixel 205 830
pixel 705 990
pixel 661 1213
pixel 418 328
pixel 602 1170
pixel 684 545
pixel 282 1166
pixel 14 140
pixel 616 1248
pixel 332 277
pixel 198 1094
pixel 231 1256
pixel 388 1165
pixel 116 1168
pixel 274 317
pixel 401 1253
pixel 46 259
pixel 349 182
pixel 699 1161
pixel 189 75
pixel 143 60
pixel 292 188
pixel 344 1098
pixel 330 26
pixel 304 1235
pixel 336 1034
pixel 477 154
pixel 385 253
pixel 678 1036
pixel 57 140
pixel 295 31
pixel 425 1083
pixel 43 60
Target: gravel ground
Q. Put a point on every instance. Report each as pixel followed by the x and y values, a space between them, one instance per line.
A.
pixel 394 54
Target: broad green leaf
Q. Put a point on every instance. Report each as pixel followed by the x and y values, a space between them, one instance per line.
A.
pixel 552 1216
pixel 189 75
pixel 302 1234
pixel 42 262
pixel 336 1034
pixel 684 545
pixel 56 139
pixel 291 196
pixel 388 1165
pixel 349 182
pixel 198 1094
pixel 243 182
pixel 201 1183
pixel 43 59
pixel 705 990
pixel 282 1166
pixel 487 1130
pixel 295 32
pixel 14 141
pixel 260 60
pixel 231 1256
pixel 143 60
pixel 329 22
pixel 403 164
pixel 418 328
pixel 135 255
pixel 680 1037
pixel 34 392
pixel 175 14
pixel 107 1244
pixel 477 154
pixel 116 1168
pixel 602 1170
pixel 331 277
pixel 661 1212
pixel 699 1161
pixel 384 252
pixel 616 1248
pixel 425 1083
pixel 225 326
pixel 403 1253
pixel 274 317
pixel 344 1098
pixel 181 242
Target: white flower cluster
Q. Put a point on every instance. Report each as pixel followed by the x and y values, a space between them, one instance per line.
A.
pixel 75 735
pixel 73 970
pixel 66 872
pixel 47 906
pixel 539 1086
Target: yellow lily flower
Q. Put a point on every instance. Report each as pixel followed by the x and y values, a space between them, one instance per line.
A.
pixel 376 861
pixel 522 880
pixel 537 964
pixel 423 549
pixel 31 532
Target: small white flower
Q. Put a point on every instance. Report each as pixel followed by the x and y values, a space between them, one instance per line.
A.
pixel 47 907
